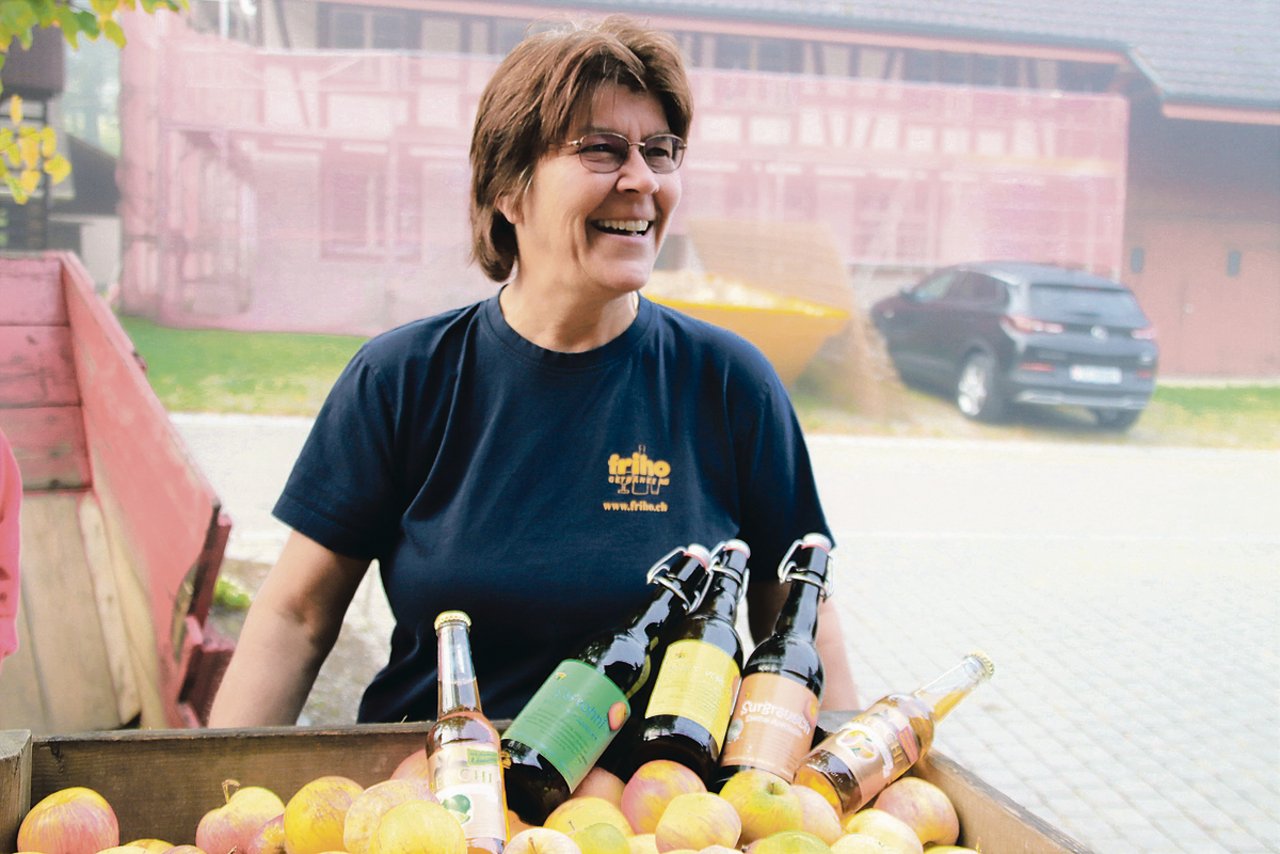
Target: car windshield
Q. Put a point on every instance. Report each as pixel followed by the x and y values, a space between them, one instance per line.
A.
pixel 1063 301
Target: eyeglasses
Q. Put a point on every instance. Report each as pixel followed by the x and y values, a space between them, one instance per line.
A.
pixel 606 152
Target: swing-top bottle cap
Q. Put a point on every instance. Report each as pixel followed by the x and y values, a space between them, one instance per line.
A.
pixel 988 668
pixel 452 617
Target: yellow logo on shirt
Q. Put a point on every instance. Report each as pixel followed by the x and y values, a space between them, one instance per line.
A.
pixel 637 474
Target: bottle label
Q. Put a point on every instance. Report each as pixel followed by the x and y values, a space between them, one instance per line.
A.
pixel 467 780
pixel 697 681
pixel 571 719
pixel 877 748
pixel 772 726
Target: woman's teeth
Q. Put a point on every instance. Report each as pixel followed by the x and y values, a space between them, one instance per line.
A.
pixel 623 226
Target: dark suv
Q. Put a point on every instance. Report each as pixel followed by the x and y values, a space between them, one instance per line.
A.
pixel 1000 333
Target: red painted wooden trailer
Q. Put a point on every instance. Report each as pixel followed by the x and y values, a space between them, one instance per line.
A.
pixel 122 536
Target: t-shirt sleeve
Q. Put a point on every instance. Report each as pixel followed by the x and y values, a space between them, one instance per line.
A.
pixel 341 491
pixel 779 500
pixel 10 503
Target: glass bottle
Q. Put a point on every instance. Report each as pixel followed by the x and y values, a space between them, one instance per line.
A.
pixel 578 711
pixel 875 747
pixel 688 712
pixel 464 759
pixel 777 705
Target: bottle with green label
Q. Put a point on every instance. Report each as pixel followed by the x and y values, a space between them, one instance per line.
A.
pixel 464 760
pixel 688 712
pixel 776 710
pixel 570 720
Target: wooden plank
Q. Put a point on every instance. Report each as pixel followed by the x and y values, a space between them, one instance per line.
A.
pixel 15 784
pixel 115 638
pixel 49 443
pixel 21 695
pixel 66 633
pixel 31 292
pixel 989 820
pixel 37 367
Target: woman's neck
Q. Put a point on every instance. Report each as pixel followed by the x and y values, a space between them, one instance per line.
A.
pixel 564 323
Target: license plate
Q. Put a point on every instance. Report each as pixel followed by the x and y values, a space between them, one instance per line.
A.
pixel 1097 374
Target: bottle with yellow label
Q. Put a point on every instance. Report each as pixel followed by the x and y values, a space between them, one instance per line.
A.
pixel 464 758
pixel 582 706
pixel 853 764
pixel 773 719
pixel 688 711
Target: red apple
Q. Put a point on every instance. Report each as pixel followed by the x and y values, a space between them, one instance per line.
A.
pixel 74 820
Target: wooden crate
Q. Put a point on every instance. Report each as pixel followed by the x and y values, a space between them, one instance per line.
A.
pixel 161 782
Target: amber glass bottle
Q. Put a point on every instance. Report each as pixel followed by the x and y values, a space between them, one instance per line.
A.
pixel 464 759
pixel 777 705
pixel 851 765
pixel 688 712
pixel 578 711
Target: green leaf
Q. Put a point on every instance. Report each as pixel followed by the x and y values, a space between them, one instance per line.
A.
pixel 19 194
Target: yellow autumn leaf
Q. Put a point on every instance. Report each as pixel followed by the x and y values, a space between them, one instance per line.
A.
pixel 58 168
pixel 30 148
pixel 48 142
pixel 19 194
pixel 15 109
pixel 29 180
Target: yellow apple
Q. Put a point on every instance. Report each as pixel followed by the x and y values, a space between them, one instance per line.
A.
pixel 652 786
pixel 819 817
pixel 696 820
pixel 541 840
pixel 580 813
pixel 601 839
pixel 790 842
pixel 373 803
pixel 860 843
pixel 74 820
pixel 889 829
pixel 418 827
pixel 923 806
pixel 764 802
pixel 314 816
pixel 244 811
pixel 643 843
pixel 600 783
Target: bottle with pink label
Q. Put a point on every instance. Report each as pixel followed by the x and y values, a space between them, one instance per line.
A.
pixel 776 710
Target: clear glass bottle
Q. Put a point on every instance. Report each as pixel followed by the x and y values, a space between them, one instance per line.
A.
pixel 579 710
pixel 464 758
pixel 776 709
pixel 875 747
pixel 688 712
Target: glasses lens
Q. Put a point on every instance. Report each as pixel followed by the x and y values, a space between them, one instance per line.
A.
pixel 603 152
pixel 663 152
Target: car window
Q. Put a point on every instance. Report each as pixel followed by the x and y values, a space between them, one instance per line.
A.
pixel 935 286
pixel 977 289
pixel 1115 306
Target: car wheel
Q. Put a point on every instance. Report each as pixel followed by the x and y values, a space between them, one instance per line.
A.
pixel 977 394
pixel 1116 419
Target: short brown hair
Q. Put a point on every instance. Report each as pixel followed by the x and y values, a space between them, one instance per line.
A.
pixel 538 91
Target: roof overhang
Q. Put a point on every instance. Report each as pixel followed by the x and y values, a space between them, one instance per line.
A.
pixel 1221 113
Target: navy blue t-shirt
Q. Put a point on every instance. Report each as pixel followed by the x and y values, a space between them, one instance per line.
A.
pixel 533 489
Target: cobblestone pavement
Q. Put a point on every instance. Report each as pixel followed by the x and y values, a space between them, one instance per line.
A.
pixel 1129 597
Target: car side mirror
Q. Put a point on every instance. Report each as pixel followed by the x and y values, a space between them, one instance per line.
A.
pixel 907 293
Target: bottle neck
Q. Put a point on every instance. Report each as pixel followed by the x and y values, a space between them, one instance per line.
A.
pixel 662 606
pixel 458 688
pixel 723 597
pixel 799 614
pixel 944 693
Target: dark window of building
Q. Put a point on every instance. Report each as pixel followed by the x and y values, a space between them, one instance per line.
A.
pixel 1137 259
pixel 778 55
pixel 350 28
pixel 953 68
pixel 733 53
pixel 920 66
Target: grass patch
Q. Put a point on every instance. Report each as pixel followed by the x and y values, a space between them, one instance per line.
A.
pixel 260 373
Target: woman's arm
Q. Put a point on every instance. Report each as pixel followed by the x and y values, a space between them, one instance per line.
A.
pixel 840 691
pixel 290 629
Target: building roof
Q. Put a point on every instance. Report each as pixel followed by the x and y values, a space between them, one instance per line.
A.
pixel 1222 54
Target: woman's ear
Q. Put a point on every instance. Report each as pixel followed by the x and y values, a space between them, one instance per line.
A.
pixel 508 205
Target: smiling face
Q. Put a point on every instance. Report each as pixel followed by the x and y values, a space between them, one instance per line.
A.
pixel 597 234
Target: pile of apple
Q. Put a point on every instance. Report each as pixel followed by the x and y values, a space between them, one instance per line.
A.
pixel 663 808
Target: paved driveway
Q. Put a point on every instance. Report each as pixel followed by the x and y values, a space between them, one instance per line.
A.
pixel 1130 598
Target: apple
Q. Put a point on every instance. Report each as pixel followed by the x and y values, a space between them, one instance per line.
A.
pixel 418 827
pixel 652 787
pixel 817 815
pixel 889 829
pixel 643 843
pixel 155 846
pixel 314 816
pixel 244 811
pixel 74 820
pixel 765 803
pixel 373 803
pixel 580 813
pixel 697 820
pixel 923 806
pixel 601 839
pixel 413 765
pixel 860 843
pixel 790 842
pixel 541 840
pixel 600 783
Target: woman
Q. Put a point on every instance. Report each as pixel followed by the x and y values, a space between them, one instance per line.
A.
pixel 527 458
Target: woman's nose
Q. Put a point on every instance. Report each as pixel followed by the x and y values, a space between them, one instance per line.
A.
pixel 635 175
